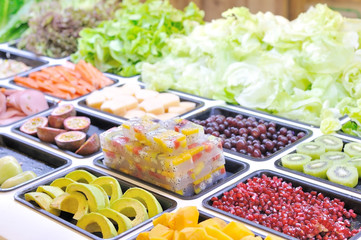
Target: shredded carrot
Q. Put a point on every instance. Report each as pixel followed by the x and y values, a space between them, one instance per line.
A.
pixel 64 82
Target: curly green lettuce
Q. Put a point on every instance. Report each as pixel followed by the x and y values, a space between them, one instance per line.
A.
pixel 302 69
pixel 54 25
pixel 137 33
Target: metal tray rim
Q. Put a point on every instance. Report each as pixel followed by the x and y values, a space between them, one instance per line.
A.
pixel 308 132
pixel 285 177
pixel 67 164
pixel 16 130
pixel 69 224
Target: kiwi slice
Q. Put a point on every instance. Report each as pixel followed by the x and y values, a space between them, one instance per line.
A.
pixel 295 161
pixel 312 149
pixel 330 142
pixel 317 168
pixel 335 157
pixel 343 174
pixel 353 149
pixel 356 162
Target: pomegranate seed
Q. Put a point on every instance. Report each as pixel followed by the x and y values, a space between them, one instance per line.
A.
pixel 278 205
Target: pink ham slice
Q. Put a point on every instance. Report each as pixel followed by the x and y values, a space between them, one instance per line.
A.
pixel 12 112
pixel 32 101
pixel 2 103
pixel 8 92
pixel 13 99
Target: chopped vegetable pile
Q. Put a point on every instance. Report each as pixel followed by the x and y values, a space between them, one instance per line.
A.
pixel 66 82
pixel 9 67
pixel 54 25
pixel 138 33
pixel 307 69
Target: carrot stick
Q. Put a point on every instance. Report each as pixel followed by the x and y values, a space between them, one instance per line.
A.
pixel 28 82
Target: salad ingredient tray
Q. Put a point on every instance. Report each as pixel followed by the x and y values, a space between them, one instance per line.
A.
pixel 244 135
pixel 64 82
pixel 316 169
pixel 19 67
pixel 31 158
pixel 64 218
pixel 288 205
pixel 132 100
pixel 202 221
pixel 97 126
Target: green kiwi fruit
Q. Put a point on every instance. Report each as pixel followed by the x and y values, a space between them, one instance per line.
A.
pixel 335 157
pixel 330 142
pixel 343 174
pixel 317 168
pixel 295 161
pixel 312 149
pixel 353 149
pixel 356 162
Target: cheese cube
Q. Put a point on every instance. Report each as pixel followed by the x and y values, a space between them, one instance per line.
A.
pixel 129 102
pixel 188 105
pixel 134 113
pixel 177 110
pixel 152 105
pixel 168 99
pixel 143 94
pixel 95 99
pixel 113 106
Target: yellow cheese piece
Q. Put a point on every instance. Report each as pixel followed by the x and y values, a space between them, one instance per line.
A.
pixel 143 94
pixel 134 113
pixel 188 105
pixel 95 99
pixel 178 110
pixel 151 105
pixel 129 102
pixel 110 92
pixel 129 88
pixel 168 99
pixel 113 106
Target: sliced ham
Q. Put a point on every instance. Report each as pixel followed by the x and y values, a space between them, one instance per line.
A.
pixel 8 92
pixel 12 112
pixel 17 104
pixel 2 103
pixel 33 101
pixel 13 100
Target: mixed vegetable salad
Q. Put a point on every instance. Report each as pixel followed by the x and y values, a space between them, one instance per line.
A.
pixel 307 69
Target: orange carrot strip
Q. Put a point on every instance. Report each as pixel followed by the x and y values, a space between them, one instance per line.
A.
pixel 86 85
pixel 65 87
pixel 81 68
pixel 28 82
pixel 43 86
pixel 73 72
pixel 39 74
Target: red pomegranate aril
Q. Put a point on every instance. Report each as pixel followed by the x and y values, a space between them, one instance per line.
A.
pixel 276 204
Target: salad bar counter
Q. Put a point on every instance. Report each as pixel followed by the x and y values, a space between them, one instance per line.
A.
pixel 156 125
pixel 258 184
